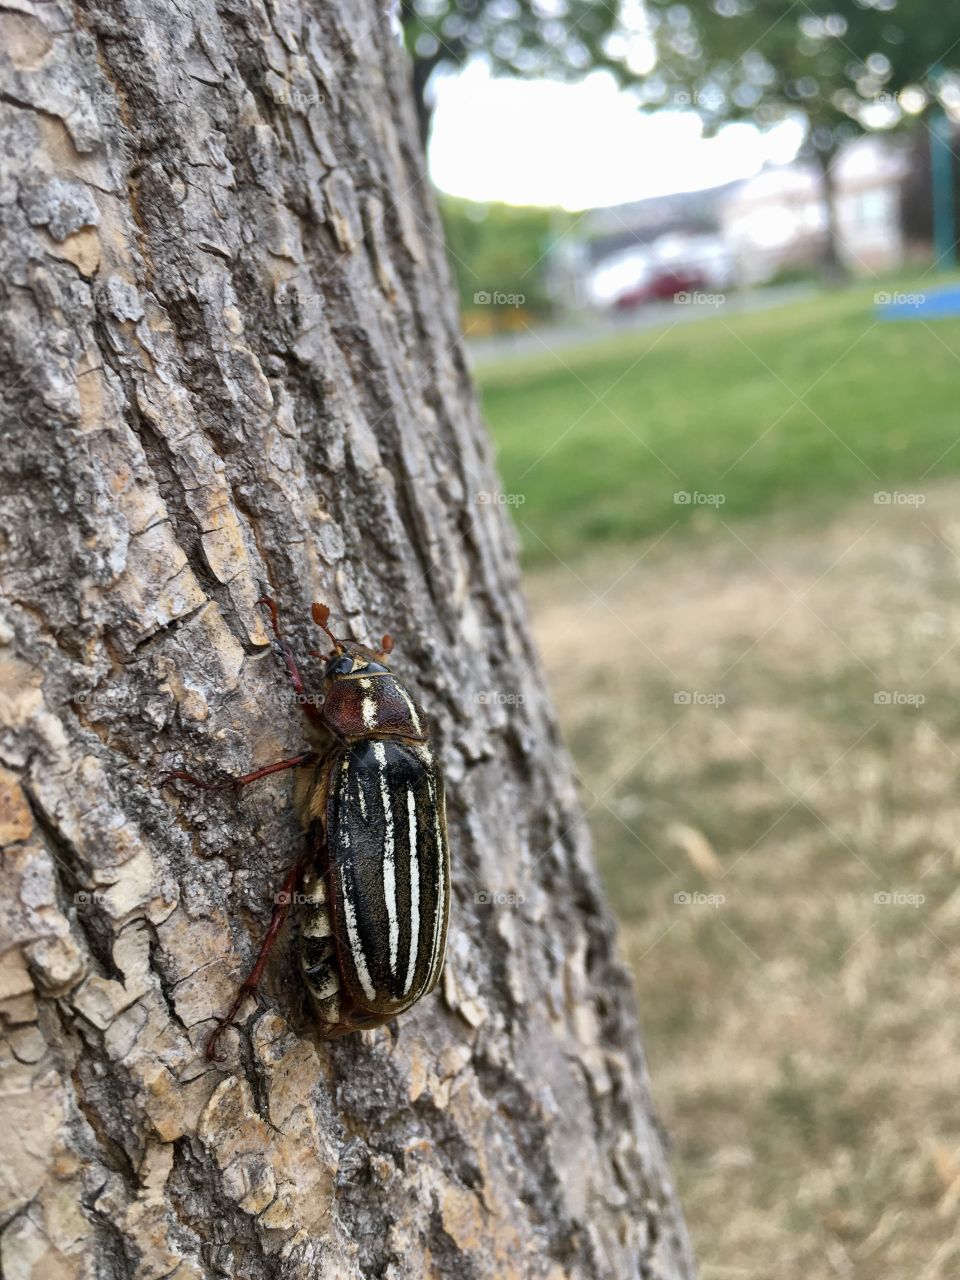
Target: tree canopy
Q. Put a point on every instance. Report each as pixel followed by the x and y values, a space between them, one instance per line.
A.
pixel 554 39
pixel 845 65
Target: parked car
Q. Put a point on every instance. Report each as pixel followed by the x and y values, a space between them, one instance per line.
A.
pixel 662 286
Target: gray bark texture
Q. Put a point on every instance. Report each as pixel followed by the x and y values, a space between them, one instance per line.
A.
pixel 231 362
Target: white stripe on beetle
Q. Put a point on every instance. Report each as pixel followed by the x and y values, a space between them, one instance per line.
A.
pixel 414 891
pixel 435 957
pixel 389 859
pixel 415 719
pixel 368 706
pixel 356 950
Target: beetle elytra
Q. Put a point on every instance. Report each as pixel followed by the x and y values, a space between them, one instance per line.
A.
pixel 374 882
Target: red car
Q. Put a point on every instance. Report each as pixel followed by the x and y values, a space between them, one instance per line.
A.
pixel 662 287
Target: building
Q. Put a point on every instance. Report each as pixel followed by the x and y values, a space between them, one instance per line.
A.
pixel 777 221
pixel 745 233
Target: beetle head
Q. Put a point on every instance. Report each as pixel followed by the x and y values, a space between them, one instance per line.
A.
pixel 349 658
pixel 352 661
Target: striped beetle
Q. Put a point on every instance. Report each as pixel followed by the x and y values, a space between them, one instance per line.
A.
pixel 375 879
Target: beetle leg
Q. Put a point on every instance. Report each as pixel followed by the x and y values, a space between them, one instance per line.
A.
pixel 310 711
pixel 305 757
pixel 281 906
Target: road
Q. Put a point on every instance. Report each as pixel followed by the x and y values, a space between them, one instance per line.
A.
pixel 590 327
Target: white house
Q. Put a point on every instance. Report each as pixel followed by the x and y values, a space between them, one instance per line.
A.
pixel 778 219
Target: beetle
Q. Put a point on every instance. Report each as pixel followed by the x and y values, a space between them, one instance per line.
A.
pixel 374 883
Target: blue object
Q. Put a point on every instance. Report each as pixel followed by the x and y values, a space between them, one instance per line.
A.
pixel 919 304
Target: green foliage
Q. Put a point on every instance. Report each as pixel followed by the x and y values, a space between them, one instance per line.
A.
pixel 500 249
pixel 517 37
pixel 831 60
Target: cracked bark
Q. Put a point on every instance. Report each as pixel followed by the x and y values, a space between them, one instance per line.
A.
pixel 232 364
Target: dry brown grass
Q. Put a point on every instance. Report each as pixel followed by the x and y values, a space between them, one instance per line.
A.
pixel 802 1036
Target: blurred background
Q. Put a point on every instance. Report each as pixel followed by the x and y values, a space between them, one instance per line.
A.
pixel 706 256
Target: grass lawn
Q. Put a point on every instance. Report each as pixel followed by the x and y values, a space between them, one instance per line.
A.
pixel 788 410
pixel 763 703
pixel 782 850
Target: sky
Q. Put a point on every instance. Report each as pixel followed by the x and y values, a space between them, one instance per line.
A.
pixel 580 146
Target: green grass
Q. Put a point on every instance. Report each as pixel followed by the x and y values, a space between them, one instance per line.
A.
pixel 598 440
pixel 800 1032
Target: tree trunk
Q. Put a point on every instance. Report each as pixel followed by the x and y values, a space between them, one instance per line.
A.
pixel 421 70
pixel 233 365
pixel 833 269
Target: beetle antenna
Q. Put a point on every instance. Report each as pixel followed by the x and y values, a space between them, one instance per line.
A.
pixel 386 648
pixel 321 616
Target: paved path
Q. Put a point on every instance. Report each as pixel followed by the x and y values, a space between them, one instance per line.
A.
pixel 592 328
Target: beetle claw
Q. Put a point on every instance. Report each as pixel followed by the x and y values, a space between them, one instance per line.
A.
pixel 213 1043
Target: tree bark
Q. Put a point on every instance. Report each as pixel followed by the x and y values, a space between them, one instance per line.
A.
pixel 233 364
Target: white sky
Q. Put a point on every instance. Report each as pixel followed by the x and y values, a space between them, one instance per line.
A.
pixel 580 146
